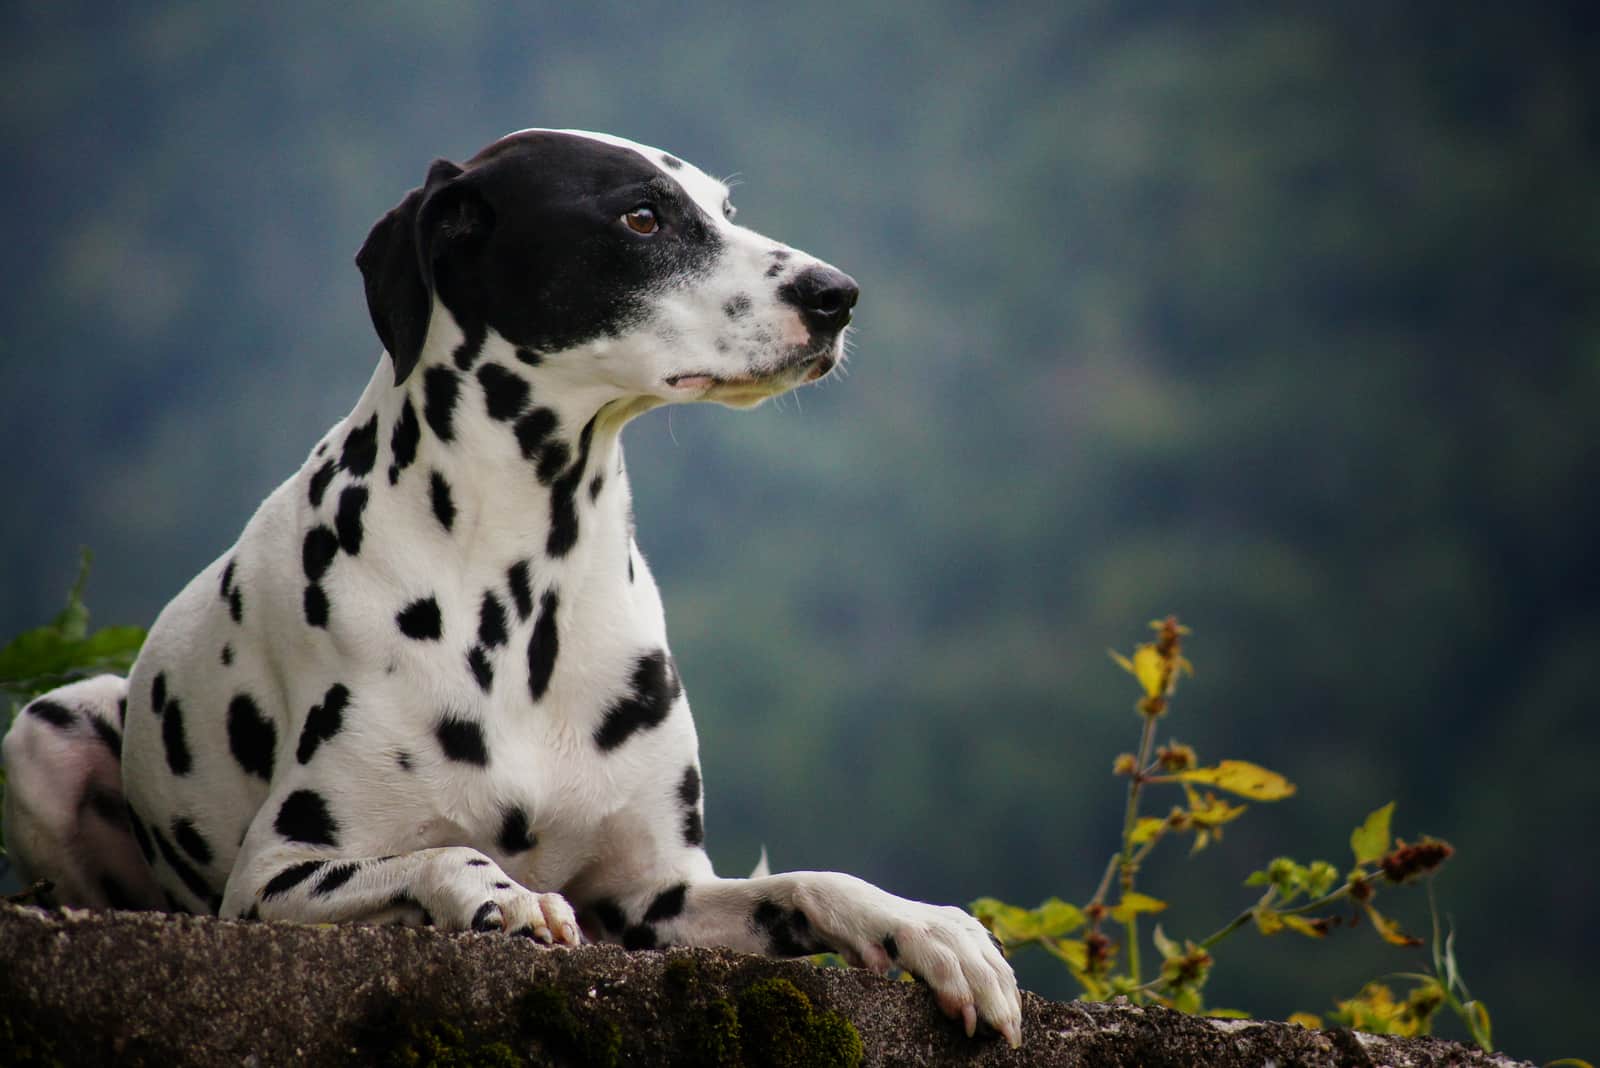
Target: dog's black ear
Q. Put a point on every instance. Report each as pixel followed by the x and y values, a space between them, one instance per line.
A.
pixel 397 261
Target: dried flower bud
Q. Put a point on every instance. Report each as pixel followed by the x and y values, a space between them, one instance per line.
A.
pixel 1176 757
pixel 1125 764
pixel 1360 890
pixel 1406 862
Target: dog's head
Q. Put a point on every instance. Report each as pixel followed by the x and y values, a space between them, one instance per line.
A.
pixel 615 258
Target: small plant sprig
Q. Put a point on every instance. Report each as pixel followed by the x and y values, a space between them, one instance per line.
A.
pixel 1311 899
pixel 59 652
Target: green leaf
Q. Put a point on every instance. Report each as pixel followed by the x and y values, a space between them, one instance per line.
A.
pixel 1014 925
pixel 1227 1014
pixel 1243 778
pixel 1370 841
pixel 1164 945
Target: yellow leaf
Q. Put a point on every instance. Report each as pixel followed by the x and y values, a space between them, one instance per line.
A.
pixel 1390 930
pixel 1306 1019
pixel 1213 811
pixel 1056 917
pixel 1133 903
pixel 1304 926
pixel 1370 841
pixel 1009 923
pixel 1151 670
pixel 1123 662
pixel 1146 828
pixel 1243 778
pixel 1070 950
pixel 1269 921
pixel 1227 1014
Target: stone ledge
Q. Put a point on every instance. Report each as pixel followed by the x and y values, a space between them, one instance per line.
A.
pixel 81 987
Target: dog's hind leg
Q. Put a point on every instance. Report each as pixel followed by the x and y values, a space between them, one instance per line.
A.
pixel 65 819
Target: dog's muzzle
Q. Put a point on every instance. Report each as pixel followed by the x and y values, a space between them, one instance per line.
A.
pixel 824 297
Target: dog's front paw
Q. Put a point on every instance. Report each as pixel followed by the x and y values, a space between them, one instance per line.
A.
pixel 951 952
pixel 472 893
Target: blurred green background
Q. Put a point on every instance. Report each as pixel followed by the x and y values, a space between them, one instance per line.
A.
pixel 1283 318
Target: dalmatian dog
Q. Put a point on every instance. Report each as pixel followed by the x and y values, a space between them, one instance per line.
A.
pixel 430 683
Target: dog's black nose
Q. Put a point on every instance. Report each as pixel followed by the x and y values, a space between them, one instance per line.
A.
pixel 824 297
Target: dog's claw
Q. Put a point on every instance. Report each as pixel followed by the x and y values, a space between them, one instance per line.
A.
pixel 969 1017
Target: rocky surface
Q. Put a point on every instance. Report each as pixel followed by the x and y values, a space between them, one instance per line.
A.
pixel 137 988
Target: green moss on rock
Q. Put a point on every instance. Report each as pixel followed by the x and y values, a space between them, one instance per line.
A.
pixel 441 1044
pixel 779 1027
pixel 547 1016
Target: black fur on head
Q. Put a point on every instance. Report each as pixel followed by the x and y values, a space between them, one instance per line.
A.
pixel 401 259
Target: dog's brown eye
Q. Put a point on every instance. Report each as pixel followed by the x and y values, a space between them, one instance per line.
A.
pixel 642 221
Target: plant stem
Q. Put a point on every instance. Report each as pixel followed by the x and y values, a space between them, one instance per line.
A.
pixel 1127 863
pixel 1249 913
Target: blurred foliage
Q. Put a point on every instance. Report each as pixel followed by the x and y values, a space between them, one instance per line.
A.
pixel 1311 899
pixel 1290 316
pixel 60 652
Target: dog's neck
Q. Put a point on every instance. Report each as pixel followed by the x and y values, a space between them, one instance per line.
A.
pixel 515 457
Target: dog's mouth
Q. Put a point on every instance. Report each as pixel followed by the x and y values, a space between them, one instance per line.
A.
pixel 756 387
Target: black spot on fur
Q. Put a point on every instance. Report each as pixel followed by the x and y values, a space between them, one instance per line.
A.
pixel 543 646
pixel 482 670
pixel 533 430
pixel 227 655
pixel 788 931
pixel 251 914
pixel 466 353
pixel 317 551
pixel 530 357
pixel 521 590
pixel 140 836
pixel 462 740
pixel 505 395
pixel 653 689
pixel 891 947
pixel 191 841
pixel 191 879
pixel 780 254
pixel 403 759
pixel 319 482
pixel 444 509
pixel 304 817
pixel 491 621
pixel 612 921
pixel 563 499
pixel 289 878
pixel 596 484
pixel 501 884
pixel 316 606
pixel 440 387
pixel 179 760
pixel 109 736
pixel 420 620
pixel 360 450
pixel 667 904
pixel 337 876
pixel 671 162
pixel 775 270
pixel 322 722
pixel 694 829
pixel 58 716
pixel 515 837
pixel 403 441
pixel 477 862
pixel 488 917
pixel 553 457
pixel 639 937
pixel 252 737
pixel 232 594
pixel 158 693
pixel 352 502
pixel 737 306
